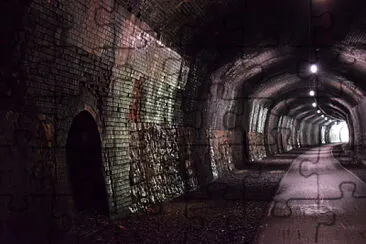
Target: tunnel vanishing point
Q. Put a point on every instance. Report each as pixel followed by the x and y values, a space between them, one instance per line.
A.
pixel 182 121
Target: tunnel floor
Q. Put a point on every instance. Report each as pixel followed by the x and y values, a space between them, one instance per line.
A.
pixel 295 197
pixel 318 201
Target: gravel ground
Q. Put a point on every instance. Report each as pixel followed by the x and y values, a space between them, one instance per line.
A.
pixel 229 210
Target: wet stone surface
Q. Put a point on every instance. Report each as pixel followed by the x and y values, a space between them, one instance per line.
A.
pixel 157 172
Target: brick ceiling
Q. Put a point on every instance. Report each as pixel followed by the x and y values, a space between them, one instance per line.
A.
pixel 254 37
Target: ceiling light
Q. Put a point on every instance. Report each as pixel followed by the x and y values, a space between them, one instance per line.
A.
pixel 313 68
pixel 318 111
pixel 326 118
pixel 322 115
pixel 312 93
pixel 314 105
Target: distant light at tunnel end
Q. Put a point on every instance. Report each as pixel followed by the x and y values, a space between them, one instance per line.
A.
pixel 313 68
pixel 312 93
pixel 314 105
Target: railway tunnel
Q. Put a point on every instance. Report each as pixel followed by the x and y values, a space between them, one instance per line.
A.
pixel 182 121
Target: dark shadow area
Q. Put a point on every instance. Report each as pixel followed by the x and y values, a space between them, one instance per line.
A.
pixel 245 147
pixel 84 160
pixel 229 210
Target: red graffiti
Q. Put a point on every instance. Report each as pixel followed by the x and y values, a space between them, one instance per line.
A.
pixel 136 99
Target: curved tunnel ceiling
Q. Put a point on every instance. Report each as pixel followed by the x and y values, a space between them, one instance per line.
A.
pixel 334 93
pixel 289 85
pixel 262 49
pixel 256 26
pixel 288 94
pixel 295 107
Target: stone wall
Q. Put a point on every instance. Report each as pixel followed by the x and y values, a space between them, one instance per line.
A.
pixel 358 138
pixel 221 151
pixel 257 149
pixel 158 171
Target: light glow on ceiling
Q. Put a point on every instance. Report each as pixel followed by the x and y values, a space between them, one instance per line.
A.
pixel 313 68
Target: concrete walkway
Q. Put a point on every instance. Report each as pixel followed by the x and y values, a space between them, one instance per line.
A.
pixel 318 201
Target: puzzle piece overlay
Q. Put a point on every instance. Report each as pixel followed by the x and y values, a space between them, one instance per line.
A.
pixel 118 70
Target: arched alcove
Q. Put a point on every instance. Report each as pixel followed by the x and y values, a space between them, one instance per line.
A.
pixel 85 167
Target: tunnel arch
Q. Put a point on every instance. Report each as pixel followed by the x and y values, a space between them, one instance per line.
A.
pixel 338 132
pixel 85 166
pixel 256 51
pixel 337 96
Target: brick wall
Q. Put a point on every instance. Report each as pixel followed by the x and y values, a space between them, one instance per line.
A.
pixel 72 56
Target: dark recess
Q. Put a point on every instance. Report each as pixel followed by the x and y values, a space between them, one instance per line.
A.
pixel 84 160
